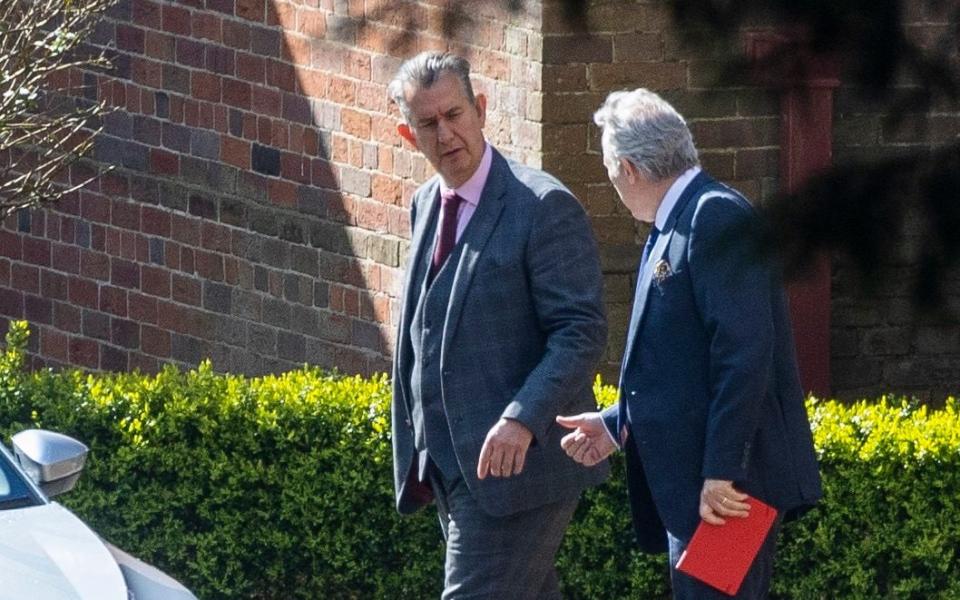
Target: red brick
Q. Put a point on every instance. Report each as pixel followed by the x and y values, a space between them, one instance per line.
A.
pixel 249 126
pixel 342 91
pixel 185 290
pixel 155 221
pixel 141 363
pixel 215 237
pixel 312 22
pixel 355 123
pixel 11 245
pixel 282 75
pixel 83 292
pixel 207 26
pixel 36 251
pixel 54 344
pixel 251 10
pixel 66 317
pixel 282 193
pixel 176 20
pixel 142 309
pixel 236 93
pixel 84 353
pixel 155 341
pixel 357 65
pixel 130 39
pixel 146 13
pixel 25 278
pixel 297 49
pixel 113 300
pixel 113 245
pixel 163 162
pixel 160 46
pixel 387 189
pixel 236 34
pixel 251 68
pixel 205 86
pixel 95 208
pixel 209 265
pixel 124 273
pixel 185 230
pixel 231 270
pixel 267 102
pixel 235 152
pixel 186 260
pixel 155 281
pixel 125 215
pixel 146 72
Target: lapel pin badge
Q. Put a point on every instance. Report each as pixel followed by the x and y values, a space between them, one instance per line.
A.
pixel 661 271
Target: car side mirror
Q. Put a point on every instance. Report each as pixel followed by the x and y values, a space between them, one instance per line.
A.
pixel 52 460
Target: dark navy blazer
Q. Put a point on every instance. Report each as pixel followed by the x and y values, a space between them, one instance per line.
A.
pixel 709 375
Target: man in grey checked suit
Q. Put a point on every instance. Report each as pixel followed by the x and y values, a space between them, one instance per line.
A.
pixel 501 327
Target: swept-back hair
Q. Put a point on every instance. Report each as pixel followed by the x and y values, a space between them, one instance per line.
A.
pixel 423 70
pixel 643 128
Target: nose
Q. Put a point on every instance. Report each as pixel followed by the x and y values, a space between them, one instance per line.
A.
pixel 444 134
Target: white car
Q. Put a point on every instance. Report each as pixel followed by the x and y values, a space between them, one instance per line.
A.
pixel 46 552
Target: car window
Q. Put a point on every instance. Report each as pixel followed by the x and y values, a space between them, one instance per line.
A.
pixel 15 492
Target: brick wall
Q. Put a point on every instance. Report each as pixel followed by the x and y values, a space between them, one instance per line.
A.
pixel 735 126
pixel 880 344
pixel 257 213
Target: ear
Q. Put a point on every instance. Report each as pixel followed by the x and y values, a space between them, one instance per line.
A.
pixel 482 108
pixel 629 169
pixel 406 133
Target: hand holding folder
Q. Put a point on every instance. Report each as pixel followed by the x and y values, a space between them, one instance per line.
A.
pixel 721 555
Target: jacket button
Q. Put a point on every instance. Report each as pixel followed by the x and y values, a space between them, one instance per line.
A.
pixel 409 424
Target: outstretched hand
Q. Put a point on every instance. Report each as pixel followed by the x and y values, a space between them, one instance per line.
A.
pixel 589 443
pixel 505 449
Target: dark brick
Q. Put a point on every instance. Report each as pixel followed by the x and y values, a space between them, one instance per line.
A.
pixel 84 353
pixel 321 294
pixel 567 49
pixel 176 137
pixel 66 317
pixel 186 290
pixel 113 300
pixel 265 160
pixel 304 260
pixel 119 124
pixel 36 251
pixel 261 279
pixel 124 273
pixel 235 122
pixel 147 130
pixel 263 220
pixel 252 186
pixel 125 333
pixel 247 305
pixel 261 339
pixel 276 253
pixel 155 341
pixel 217 297
pixel 135 156
pixel 113 359
pixel 96 325
pixel 203 207
pixel 176 79
pixel 296 108
pixel 334 327
pixel 276 312
pixel 264 41
pixel 162 101
pixel 233 212
pixel 54 285
pixel 205 144
pixel 366 335
pixel 187 349
pixel 291 346
pixel 23 220
pixel 37 309
pixel 157 251
pixel 83 292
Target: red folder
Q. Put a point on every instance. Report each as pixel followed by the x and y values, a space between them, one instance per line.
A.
pixel 721 555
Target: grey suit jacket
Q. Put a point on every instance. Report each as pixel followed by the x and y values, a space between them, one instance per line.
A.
pixel 524 330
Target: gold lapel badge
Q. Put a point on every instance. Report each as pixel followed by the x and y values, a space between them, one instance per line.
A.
pixel 661 271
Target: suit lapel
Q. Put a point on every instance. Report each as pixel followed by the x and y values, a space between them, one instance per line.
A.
pixel 475 237
pixel 645 276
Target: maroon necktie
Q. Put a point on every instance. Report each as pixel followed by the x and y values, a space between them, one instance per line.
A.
pixel 449 205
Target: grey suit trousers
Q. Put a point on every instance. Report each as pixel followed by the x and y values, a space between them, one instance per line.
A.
pixel 489 557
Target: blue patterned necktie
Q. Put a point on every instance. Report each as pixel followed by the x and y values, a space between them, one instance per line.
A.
pixel 648 247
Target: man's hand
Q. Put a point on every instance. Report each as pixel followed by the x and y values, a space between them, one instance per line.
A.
pixel 720 499
pixel 589 443
pixel 504 450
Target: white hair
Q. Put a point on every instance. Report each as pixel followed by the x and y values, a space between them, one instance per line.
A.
pixel 643 128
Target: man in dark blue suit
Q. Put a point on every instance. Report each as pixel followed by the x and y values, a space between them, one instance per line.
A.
pixel 711 409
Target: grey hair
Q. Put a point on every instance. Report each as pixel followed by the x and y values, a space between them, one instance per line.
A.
pixel 423 70
pixel 643 128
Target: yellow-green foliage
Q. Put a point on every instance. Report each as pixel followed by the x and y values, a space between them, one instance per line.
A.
pixel 281 487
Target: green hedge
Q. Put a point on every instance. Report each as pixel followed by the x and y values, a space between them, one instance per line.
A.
pixel 280 487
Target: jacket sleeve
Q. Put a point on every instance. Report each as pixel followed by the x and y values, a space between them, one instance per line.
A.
pixel 566 286
pixel 732 289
